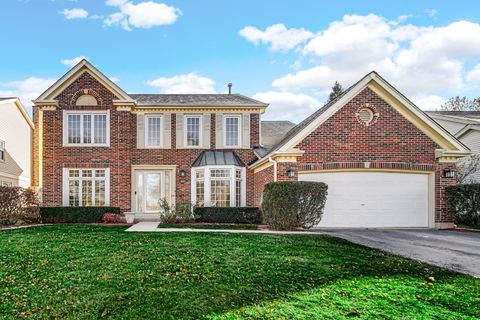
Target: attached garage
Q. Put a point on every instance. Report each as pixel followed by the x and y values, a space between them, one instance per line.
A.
pixel 371 199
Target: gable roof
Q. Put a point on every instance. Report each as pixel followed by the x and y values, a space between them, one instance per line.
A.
pixel 83 66
pixel 21 108
pixel 272 132
pixel 300 131
pixel 229 100
pixel 467 115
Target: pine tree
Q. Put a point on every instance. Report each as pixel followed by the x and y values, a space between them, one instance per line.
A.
pixel 337 90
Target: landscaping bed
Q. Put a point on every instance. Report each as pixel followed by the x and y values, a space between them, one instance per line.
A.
pixel 211 226
pixel 89 272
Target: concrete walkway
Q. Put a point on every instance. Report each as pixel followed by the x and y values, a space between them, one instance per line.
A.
pixel 146 226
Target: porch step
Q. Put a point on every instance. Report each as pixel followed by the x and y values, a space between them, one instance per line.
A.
pixel 147 217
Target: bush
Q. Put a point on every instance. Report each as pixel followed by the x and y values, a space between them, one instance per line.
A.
pixel 179 213
pixel 464 201
pixel 75 214
pixel 111 218
pixel 18 204
pixel 292 204
pixel 241 215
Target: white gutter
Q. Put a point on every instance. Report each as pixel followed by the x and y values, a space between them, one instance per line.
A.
pixel 274 168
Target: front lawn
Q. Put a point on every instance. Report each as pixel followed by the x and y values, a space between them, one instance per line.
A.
pixel 211 226
pixel 87 272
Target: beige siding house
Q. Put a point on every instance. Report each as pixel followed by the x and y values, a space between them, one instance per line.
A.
pixel 16 132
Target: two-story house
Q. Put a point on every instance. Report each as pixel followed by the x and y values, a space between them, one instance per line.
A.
pixel 16 133
pixel 385 161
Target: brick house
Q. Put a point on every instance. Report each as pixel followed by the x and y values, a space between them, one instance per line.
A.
pixel 96 145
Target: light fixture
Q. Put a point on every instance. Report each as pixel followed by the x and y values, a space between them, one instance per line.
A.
pixel 290 172
pixel 448 173
pixel 183 173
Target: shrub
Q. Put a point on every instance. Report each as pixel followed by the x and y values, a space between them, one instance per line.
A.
pixel 242 215
pixel 17 204
pixel 179 213
pixel 112 218
pixel 75 214
pixel 292 204
pixel 464 201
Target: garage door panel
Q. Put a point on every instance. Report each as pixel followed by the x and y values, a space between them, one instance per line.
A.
pixel 374 199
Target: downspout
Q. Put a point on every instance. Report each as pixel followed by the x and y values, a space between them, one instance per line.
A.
pixel 274 168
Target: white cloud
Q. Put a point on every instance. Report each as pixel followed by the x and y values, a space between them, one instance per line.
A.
pixel 114 79
pixel 474 75
pixel 185 83
pixel 431 102
pixel 317 78
pixel 27 89
pixel 277 35
pixel 287 106
pixel 143 15
pixel 72 62
pixel 75 13
pixel 432 13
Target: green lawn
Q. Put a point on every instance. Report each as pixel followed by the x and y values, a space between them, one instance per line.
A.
pixel 88 272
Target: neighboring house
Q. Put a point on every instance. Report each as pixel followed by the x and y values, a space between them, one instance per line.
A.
pixel 16 133
pixel 385 161
pixel 465 126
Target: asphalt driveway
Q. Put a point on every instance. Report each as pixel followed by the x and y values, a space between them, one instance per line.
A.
pixel 455 250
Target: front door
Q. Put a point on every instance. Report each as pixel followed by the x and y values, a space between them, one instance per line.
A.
pixel 149 190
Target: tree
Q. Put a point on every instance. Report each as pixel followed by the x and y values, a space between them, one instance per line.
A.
pixel 337 90
pixel 458 103
pixel 467 167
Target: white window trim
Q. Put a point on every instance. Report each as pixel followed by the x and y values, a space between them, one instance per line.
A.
pixel 162 128
pixel 65 179
pixel 3 148
pixel 200 136
pixel 207 184
pixel 239 130
pixel 66 113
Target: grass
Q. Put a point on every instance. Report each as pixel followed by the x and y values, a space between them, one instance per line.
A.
pixel 89 272
pixel 212 226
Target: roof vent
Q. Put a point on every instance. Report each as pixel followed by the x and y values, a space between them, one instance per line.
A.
pixel 230 88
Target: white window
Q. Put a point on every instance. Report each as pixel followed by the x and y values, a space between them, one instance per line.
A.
pixel 219 186
pixel 2 150
pixel 86 128
pixel 153 131
pixel 193 131
pixel 232 131
pixel 85 187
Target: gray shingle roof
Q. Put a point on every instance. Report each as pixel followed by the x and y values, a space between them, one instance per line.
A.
pixel 228 100
pixel 463 114
pixel 7 98
pixel 274 131
pixel 212 158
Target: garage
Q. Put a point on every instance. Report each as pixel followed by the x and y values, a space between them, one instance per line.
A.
pixel 368 199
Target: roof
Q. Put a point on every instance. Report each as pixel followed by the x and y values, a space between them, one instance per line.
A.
pixel 273 132
pixel 7 98
pixel 228 100
pixel 466 117
pixel 213 158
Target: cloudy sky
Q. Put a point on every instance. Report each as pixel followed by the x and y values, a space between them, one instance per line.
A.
pixel 286 53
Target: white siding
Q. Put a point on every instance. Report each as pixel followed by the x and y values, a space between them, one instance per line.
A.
pixel 450 126
pixel 17 134
pixel 472 140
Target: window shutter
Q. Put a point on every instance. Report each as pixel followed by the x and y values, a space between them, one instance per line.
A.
pixel 140 131
pixel 206 130
pixel 167 130
pixel 245 131
pixel 179 130
pixel 219 131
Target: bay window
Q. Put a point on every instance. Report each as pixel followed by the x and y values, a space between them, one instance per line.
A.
pixel 222 186
pixel 89 128
pixel 85 187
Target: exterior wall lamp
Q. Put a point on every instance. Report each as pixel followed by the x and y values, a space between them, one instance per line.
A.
pixel 183 173
pixel 448 173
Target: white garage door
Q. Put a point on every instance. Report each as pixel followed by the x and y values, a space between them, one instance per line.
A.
pixel 373 199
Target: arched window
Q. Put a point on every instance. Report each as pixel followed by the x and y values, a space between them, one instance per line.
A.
pixel 86 100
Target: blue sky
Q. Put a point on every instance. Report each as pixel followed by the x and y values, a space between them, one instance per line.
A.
pixel 287 53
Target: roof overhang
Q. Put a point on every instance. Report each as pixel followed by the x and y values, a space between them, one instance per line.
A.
pixel 466 129
pixel 21 108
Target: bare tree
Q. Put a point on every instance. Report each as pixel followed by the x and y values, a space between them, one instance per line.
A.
pixel 467 167
pixel 458 103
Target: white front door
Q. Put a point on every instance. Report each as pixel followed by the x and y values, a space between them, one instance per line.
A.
pixel 374 199
pixel 149 190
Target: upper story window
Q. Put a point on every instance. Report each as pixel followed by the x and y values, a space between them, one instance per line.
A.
pixel 89 128
pixel 232 131
pixel 153 131
pixel 193 131
pixel 2 150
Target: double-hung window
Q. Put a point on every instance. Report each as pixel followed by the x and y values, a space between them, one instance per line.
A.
pixel 86 187
pixel 193 131
pixel 153 131
pixel 232 130
pixel 2 150
pixel 86 128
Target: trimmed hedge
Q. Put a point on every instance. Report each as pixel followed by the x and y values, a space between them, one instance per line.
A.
pixel 75 214
pixel 242 215
pixel 464 201
pixel 293 204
